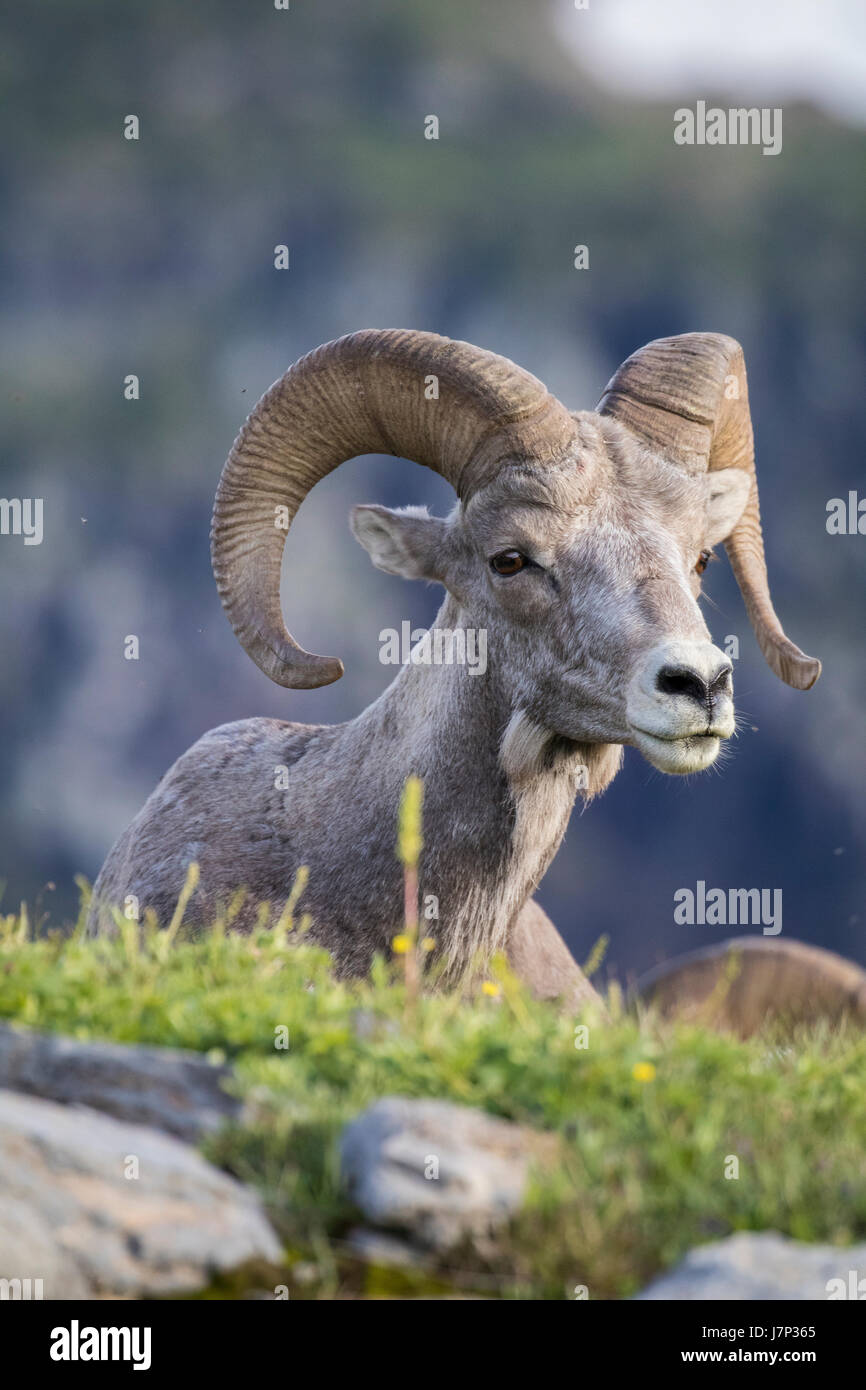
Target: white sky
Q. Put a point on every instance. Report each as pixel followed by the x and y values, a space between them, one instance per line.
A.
pixel 761 52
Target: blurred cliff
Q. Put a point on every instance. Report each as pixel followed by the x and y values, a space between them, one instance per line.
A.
pixel 155 257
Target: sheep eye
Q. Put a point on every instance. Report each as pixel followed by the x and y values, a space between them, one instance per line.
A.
pixel 703 560
pixel 508 562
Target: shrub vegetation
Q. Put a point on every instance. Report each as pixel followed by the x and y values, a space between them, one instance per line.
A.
pixel 650 1113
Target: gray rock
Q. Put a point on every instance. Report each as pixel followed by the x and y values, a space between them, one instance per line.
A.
pixel 383 1248
pixel 180 1092
pixel 70 1215
pixel 390 1150
pixel 762 1265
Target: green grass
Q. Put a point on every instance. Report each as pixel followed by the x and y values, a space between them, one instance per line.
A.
pixel 642 1171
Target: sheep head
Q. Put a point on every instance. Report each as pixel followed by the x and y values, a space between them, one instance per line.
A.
pixel 577 541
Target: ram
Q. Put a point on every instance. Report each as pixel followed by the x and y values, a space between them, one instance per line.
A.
pixel 576 545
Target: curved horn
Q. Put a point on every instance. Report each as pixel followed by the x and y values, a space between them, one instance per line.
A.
pixel 370 392
pixel 688 398
pixel 743 983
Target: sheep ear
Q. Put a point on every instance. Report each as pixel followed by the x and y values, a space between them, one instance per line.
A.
pixel 407 542
pixel 727 494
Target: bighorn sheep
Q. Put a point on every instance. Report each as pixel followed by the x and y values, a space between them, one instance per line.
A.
pixel 577 544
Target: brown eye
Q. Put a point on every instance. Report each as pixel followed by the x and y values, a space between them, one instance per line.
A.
pixel 703 560
pixel 508 562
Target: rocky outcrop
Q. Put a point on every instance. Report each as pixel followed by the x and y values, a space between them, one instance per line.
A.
pixel 763 1265
pixel 181 1092
pixel 96 1207
pixel 438 1171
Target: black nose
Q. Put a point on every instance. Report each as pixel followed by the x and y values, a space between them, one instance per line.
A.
pixel 682 680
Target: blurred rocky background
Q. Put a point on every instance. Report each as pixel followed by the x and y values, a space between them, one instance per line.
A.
pixel 306 127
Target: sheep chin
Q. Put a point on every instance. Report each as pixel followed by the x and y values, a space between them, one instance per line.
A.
pixel 678 756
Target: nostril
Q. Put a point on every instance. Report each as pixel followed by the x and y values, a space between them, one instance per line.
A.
pixel 722 682
pixel 680 680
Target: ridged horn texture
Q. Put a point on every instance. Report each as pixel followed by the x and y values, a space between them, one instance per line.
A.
pixel 687 398
pixel 369 392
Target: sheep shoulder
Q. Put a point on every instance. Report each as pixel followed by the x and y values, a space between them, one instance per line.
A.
pixel 222 805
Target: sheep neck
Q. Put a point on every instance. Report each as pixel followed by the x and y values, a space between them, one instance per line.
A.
pixel 492 822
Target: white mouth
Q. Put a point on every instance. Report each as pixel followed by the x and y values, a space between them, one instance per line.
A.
pixel 678 755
